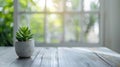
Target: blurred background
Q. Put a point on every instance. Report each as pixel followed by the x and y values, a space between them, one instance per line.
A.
pixel 52 21
pixel 63 21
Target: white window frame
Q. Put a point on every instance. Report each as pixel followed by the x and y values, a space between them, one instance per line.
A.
pixel 69 44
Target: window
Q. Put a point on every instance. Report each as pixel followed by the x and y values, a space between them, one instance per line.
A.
pixel 61 21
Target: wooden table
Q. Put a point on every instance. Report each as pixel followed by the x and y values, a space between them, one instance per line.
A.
pixel 61 57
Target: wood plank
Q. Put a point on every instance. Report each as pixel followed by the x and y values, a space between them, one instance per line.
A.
pixel 50 58
pixel 7 57
pixel 4 50
pixel 25 62
pixel 69 57
pixel 62 57
pixel 102 50
pixel 36 53
pixel 37 61
pixel 108 56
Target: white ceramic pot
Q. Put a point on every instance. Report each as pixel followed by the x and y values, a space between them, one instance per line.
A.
pixel 24 49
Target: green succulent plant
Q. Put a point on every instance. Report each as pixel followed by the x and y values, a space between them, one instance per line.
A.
pixel 23 34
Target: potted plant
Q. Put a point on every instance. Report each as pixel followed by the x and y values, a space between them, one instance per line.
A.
pixel 24 45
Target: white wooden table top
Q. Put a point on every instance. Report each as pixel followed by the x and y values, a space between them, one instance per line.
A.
pixel 61 57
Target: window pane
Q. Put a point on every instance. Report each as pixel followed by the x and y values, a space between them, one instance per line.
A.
pixel 72 27
pixel 73 5
pixel 32 5
pixel 61 27
pixel 55 29
pixel 55 5
pixel 36 23
pixel 91 28
pixel 91 5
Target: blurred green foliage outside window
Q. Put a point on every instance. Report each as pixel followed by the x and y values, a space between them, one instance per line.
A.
pixel 6 22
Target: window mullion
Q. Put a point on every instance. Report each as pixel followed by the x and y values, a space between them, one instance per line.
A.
pixel 64 11
pixel 82 23
pixel 82 5
pixel 16 19
pixel 45 23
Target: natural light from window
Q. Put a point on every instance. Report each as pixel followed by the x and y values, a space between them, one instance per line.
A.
pixel 62 21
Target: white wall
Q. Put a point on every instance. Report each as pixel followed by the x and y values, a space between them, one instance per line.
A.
pixel 112 24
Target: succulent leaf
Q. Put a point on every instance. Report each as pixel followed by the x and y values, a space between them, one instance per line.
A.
pixel 23 34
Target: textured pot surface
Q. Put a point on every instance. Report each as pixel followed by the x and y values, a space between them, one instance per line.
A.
pixel 24 49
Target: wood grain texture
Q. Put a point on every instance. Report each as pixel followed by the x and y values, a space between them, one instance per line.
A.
pixel 83 58
pixel 107 55
pixel 61 57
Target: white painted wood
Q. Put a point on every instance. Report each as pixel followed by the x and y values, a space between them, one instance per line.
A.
pixel 61 57
pixel 7 57
pixel 15 26
pixel 34 56
pixel 37 61
pixel 49 58
pixel 102 23
pixel 109 56
pixel 3 50
pixel 70 44
pixel 24 62
pixel 70 12
pixel 45 23
pixel 76 58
